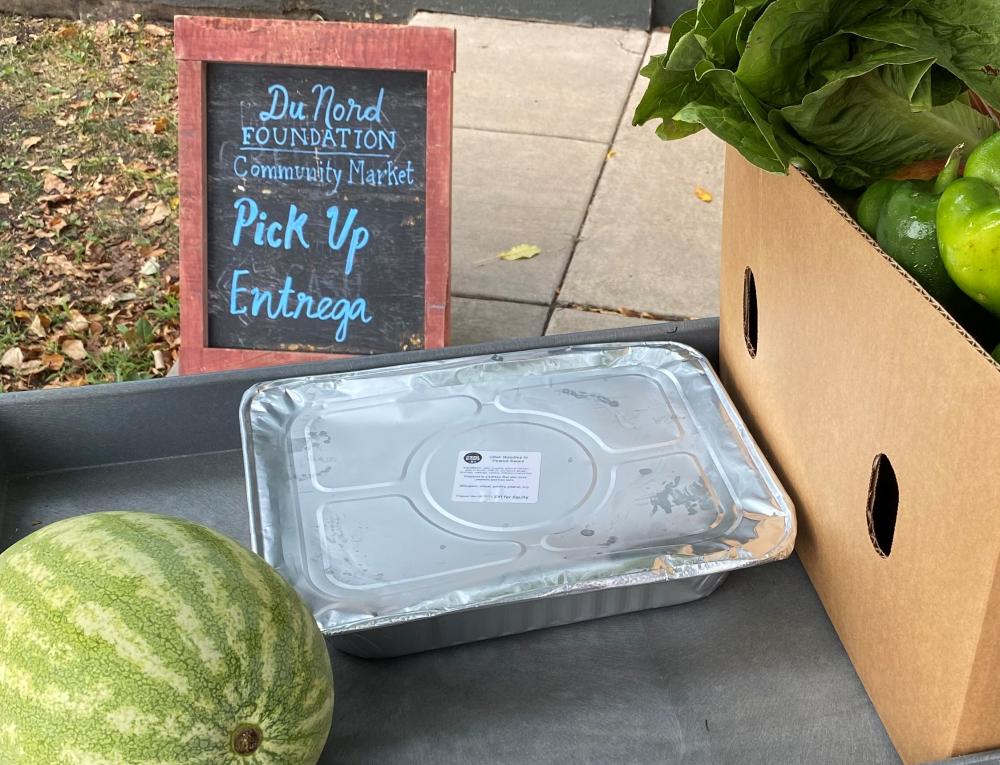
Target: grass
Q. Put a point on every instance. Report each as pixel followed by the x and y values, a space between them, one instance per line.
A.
pixel 88 151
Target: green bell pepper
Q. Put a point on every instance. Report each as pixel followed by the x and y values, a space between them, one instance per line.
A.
pixel 901 216
pixel 968 226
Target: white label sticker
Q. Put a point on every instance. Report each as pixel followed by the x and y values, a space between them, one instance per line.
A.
pixel 509 477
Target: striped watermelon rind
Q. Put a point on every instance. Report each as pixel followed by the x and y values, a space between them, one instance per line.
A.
pixel 134 639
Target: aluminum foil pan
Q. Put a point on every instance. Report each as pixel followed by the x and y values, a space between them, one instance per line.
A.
pixel 430 491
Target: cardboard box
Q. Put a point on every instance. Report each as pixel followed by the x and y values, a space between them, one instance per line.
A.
pixel 882 419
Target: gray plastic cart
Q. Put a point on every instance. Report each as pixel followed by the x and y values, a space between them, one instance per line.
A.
pixel 752 674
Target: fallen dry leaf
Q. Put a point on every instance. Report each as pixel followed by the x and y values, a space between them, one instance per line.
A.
pixel 5 41
pixel 70 164
pixel 53 183
pixel 149 251
pixel 27 143
pixel 36 329
pixel 135 202
pixel 161 125
pixel 72 382
pixel 12 358
pixel 54 199
pixel 520 252
pixel 150 267
pixel 156 30
pixel 110 300
pixel 53 361
pixel 612 153
pixel 74 349
pixel 70 30
pixel 4 198
pixel 56 225
pixel 702 194
pixel 77 322
pixel 60 264
pixel 159 213
pixel 32 367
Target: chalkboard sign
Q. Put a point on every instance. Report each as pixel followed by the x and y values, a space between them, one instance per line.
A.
pixel 315 185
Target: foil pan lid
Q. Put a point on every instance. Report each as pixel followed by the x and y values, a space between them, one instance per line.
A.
pixel 405 492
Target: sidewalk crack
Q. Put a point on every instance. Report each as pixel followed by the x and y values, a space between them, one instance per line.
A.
pixel 597 184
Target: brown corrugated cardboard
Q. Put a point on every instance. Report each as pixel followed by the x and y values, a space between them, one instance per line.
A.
pixel 851 360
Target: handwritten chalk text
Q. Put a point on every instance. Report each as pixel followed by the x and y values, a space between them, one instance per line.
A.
pixel 249 214
pixel 282 235
pixel 256 301
pixel 364 173
pixel 326 107
pixel 298 135
pixel 264 137
pixel 322 173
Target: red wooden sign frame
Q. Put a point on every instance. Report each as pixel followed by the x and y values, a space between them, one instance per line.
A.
pixel 201 40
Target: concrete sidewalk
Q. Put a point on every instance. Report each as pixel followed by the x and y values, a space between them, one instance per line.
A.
pixel 545 154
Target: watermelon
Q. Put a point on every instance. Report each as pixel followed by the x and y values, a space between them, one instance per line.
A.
pixel 128 638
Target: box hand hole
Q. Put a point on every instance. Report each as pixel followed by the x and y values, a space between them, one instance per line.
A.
pixel 750 312
pixel 883 504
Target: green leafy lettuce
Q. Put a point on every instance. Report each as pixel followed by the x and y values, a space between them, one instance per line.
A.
pixel 844 89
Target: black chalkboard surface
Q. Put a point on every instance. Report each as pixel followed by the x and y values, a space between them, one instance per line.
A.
pixel 315 208
pixel 315 189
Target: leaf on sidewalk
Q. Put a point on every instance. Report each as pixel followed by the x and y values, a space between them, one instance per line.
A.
pixel 520 252
pixel 702 194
